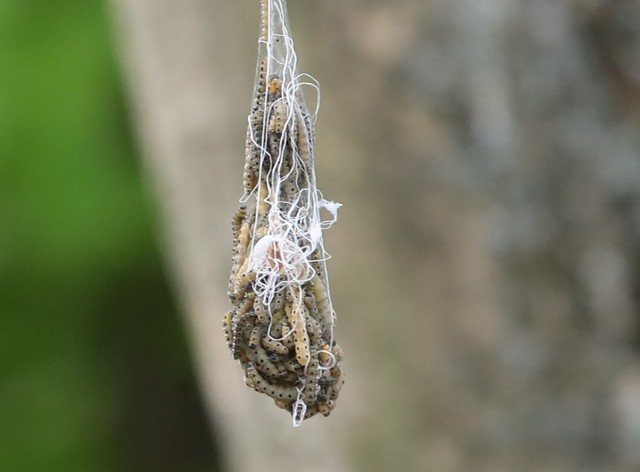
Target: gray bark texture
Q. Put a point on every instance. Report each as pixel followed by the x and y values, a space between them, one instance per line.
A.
pixel 485 265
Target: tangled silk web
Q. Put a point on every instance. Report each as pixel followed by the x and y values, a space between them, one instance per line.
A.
pixel 281 328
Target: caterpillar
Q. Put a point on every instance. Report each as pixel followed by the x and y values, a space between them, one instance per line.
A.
pixel 281 327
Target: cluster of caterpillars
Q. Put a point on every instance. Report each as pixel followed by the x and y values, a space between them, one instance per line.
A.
pixel 283 337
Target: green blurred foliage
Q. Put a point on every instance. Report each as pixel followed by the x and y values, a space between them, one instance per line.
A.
pixel 95 370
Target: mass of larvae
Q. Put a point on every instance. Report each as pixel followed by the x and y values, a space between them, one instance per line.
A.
pixel 286 347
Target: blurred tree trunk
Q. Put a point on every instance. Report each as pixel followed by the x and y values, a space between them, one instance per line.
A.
pixel 189 66
pixel 486 262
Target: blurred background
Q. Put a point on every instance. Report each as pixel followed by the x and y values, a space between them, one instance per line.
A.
pixel 96 372
pixel 485 269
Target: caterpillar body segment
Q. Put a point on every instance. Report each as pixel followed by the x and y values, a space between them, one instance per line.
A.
pixel 276 346
pixel 287 333
pixel 309 391
pixel 276 391
pixel 267 365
